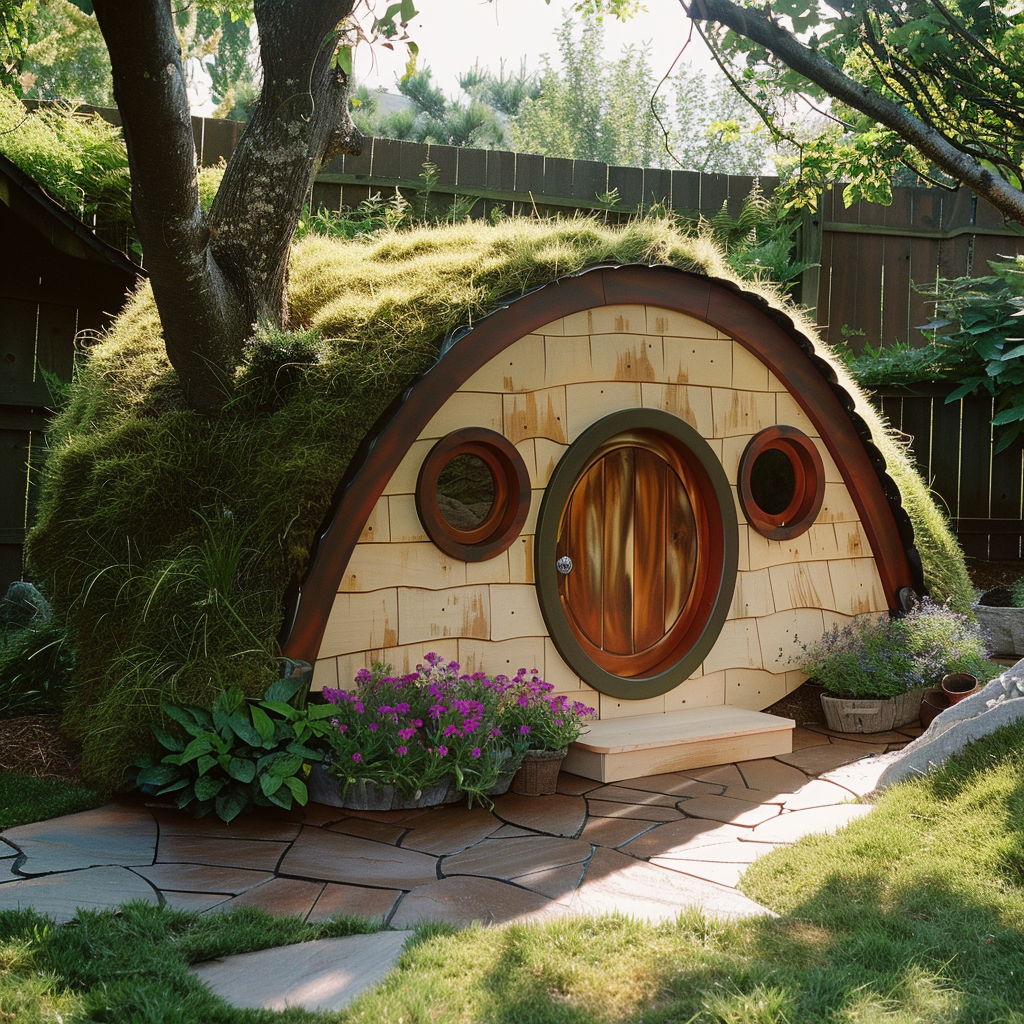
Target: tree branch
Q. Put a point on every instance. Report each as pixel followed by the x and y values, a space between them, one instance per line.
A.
pixel 754 26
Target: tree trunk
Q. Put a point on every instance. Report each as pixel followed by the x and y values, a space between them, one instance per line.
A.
pixel 215 277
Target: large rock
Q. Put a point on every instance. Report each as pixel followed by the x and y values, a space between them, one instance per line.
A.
pixel 1005 629
pixel 997 704
pixel 23 604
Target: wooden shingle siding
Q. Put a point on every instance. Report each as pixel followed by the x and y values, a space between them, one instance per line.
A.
pixel 401 597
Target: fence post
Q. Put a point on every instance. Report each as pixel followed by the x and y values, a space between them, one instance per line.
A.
pixel 809 250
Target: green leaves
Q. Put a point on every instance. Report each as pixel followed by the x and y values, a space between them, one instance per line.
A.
pixel 239 755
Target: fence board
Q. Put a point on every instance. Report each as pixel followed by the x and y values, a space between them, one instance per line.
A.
pixel 686 191
pixel 975 470
pixel 630 183
pixel 945 461
pixel 714 192
pixel 1007 499
pixel 657 187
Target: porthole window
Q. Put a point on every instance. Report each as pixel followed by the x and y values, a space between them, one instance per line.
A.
pixel 781 482
pixel 473 494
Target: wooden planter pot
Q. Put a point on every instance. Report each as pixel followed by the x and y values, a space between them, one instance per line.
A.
pixel 871 715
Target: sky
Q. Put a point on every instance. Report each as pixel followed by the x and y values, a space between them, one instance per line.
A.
pixel 451 34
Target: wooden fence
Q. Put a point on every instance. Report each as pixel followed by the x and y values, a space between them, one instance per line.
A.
pixel 872 261
pixel 952 445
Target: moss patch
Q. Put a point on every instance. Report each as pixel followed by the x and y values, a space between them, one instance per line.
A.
pixel 167 539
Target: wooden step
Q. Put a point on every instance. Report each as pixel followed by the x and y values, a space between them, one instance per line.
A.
pixel 628 748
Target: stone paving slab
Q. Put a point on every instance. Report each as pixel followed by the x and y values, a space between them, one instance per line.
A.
pixel 506 858
pixel 627 795
pixel 674 784
pixel 728 875
pixel 725 852
pixel 553 882
pixel 643 812
pixel 204 878
pixel 683 835
pixel 769 776
pixel 59 896
pixel 378 831
pixel 617 883
pixel 726 809
pixel 614 831
pixel 7 869
pixel 723 774
pixel 463 901
pixel 121 834
pixel 557 815
pixel 450 829
pixel 861 777
pixel 281 897
pixel 334 857
pixel 815 760
pixel 324 975
pixel 817 793
pixel 254 854
pixel 353 901
pixel 803 737
pixel 575 785
pixel 789 827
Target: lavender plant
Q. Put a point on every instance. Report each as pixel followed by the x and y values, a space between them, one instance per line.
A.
pixel 878 657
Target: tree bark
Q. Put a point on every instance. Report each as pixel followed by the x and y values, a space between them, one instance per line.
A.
pixel 215 277
pixel 760 29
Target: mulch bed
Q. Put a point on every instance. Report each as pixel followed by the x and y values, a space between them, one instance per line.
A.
pixel 35 745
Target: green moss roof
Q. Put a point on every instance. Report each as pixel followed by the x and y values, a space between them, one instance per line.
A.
pixel 168 539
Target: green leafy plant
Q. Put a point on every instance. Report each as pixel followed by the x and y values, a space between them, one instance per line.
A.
pixel 239 755
pixel 36 664
pixel 878 657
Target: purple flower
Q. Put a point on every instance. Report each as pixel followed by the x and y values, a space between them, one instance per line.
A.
pixel 358 705
pixel 494 732
pixel 523 701
pixel 401 750
pixel 476 752
pixel 357 757
pixel 524 730
pixel 437 710
pixel 342 727
pixel 442 751
pixel 406 734
pixel 451 730
pixel 403 708
pixel 373 727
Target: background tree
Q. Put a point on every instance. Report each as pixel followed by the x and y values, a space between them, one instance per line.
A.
pixel 927 83
pixel 54 51
pixel 215 275
pixel 591 108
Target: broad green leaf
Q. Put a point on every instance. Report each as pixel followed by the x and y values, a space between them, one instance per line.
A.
pixel 173 787
pixel 205 763
pixel 299 791
pixel 168 739
pixel 283 689
pixel 242 769
pixel 286 765
pixel 1014 353
pixel 270 785
pixel 245 731
pixel 1011 415
pixel 281 797
pixel 264 726
pixel 207 788
pixel 157 775
pixel 345 60
pixel 199 746
pixel 229 805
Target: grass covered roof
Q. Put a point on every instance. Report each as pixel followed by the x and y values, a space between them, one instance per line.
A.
pixel 167 539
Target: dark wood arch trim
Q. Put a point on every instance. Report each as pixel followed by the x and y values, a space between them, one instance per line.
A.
pixel 765 331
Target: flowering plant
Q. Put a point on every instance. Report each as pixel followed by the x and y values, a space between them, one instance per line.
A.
pixel 412 731
pixel 881 657
pixel 548 723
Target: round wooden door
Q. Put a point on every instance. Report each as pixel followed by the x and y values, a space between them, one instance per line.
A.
pixel 636 551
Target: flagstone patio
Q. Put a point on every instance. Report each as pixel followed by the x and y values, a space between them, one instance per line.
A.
pixel 648 847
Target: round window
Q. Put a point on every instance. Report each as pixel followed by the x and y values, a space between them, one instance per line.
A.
pixel 473 494
pixel 781 482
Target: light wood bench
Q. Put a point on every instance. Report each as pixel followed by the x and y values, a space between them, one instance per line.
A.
pixel 627 748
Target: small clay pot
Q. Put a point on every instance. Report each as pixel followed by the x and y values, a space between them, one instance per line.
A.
pixel 957 685
pixel 933 703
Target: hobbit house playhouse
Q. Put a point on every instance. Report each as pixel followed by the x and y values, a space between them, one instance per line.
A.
pixel 640 480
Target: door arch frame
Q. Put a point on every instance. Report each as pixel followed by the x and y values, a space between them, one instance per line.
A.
pixel 713 594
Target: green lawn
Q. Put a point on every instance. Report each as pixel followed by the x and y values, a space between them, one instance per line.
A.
pixel 913 914
pixel 24 799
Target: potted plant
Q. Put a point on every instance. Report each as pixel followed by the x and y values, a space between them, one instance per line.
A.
pixel 1001 613
pixel 549 724
pixel 425 738
pixel 875 669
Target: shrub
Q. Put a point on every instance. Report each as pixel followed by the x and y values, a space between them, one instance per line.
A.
pixel 881 657
pixel 36 663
